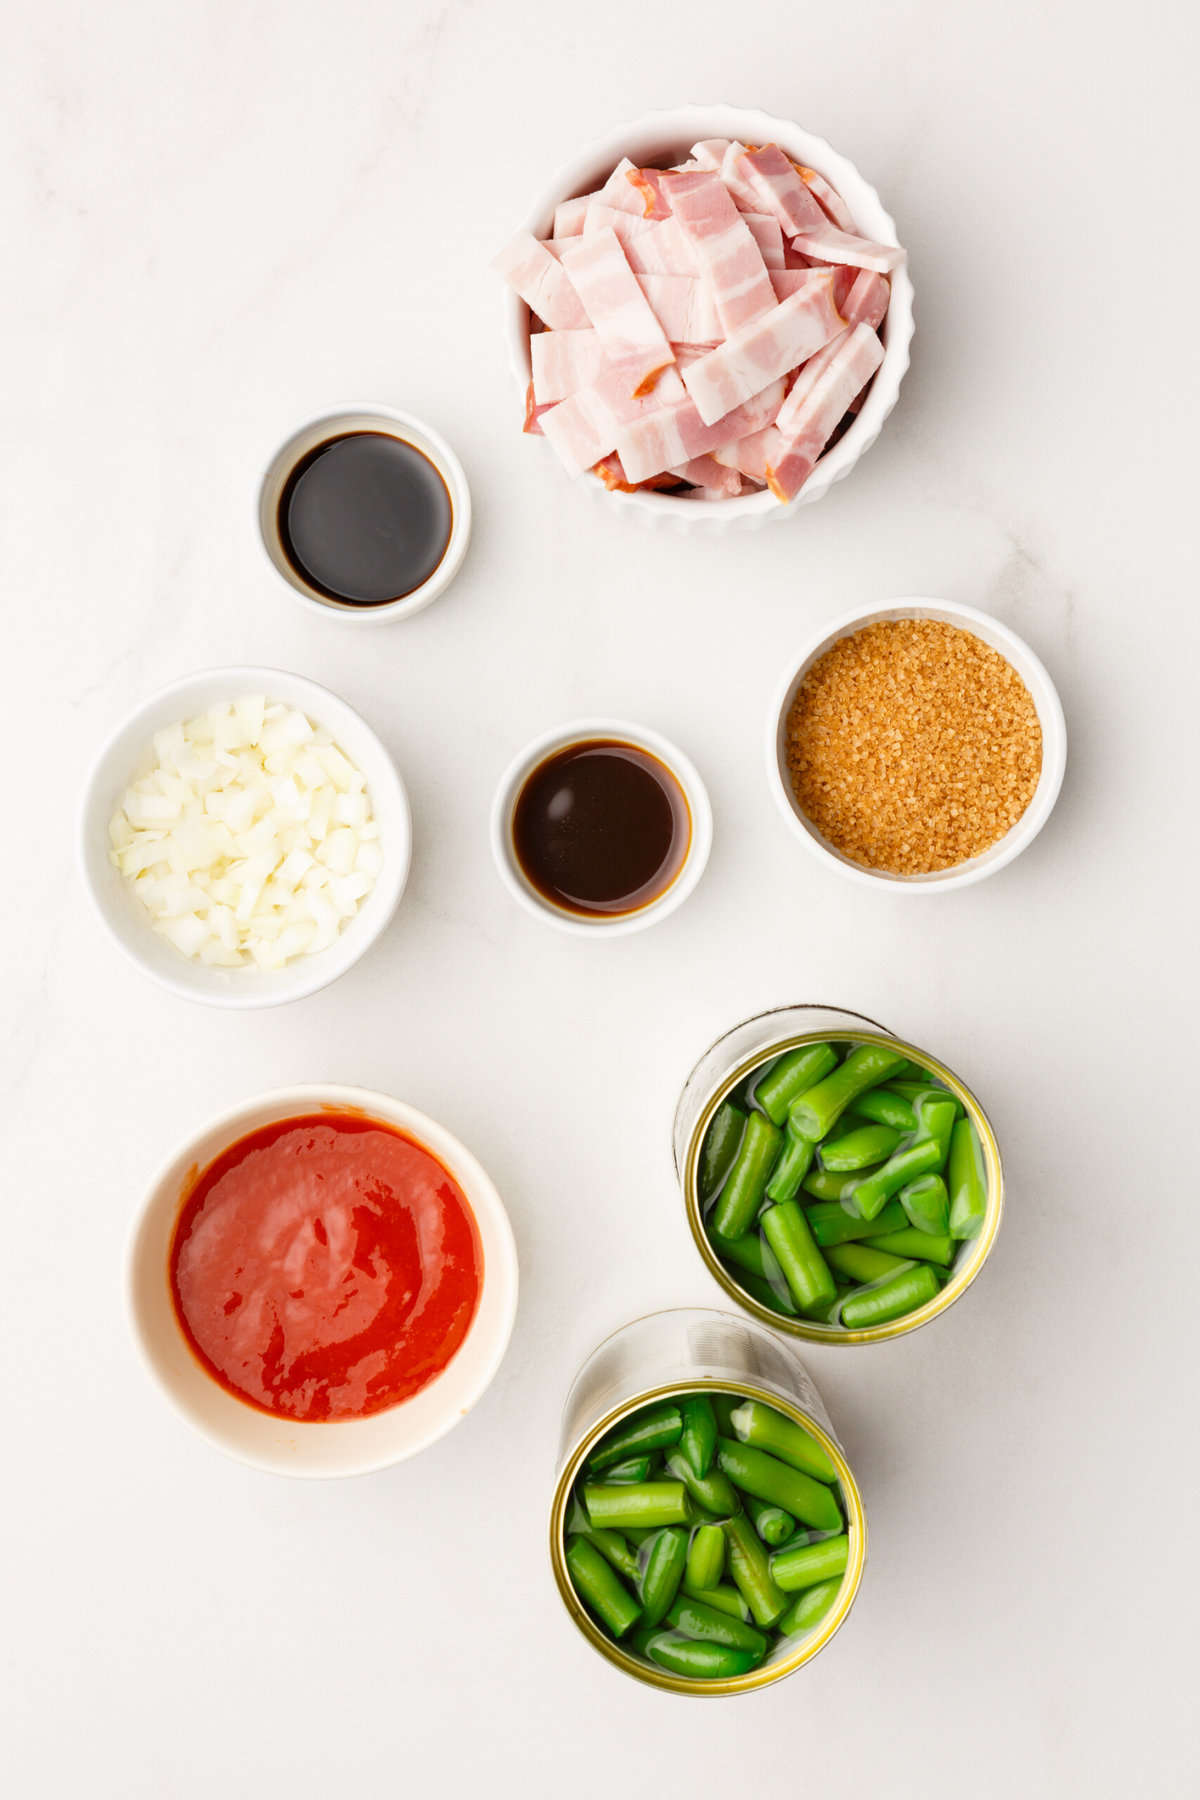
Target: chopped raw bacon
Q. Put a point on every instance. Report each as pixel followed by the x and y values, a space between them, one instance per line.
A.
pixel 665 437
pixel 764 350
pixel 767 235
pixel 528 267
pixel 569 216
pixel 773 180
pixel 723 246
pixel 712 326
pixel 648 183
pixel 684 308
pixel 807 427
pixel 617 307
pixel 562 362
pixel 827 197
pixel 831 245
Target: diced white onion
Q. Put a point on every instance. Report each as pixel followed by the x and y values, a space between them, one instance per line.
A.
pixel 251 840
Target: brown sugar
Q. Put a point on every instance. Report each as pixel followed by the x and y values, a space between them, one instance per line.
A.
pixel 912 745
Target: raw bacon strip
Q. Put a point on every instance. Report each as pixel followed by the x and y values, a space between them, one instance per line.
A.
pixel 866 305
pixel 562 362
pixel 766 349
pixel 835 246
pixel 786 281
pixel 528 267
pixel 648 183
pixel 668 436
pixel 709 153
pixel 628 226
pixel 827 198
pixel 748 455
pixel 683 306
pixel 811 424
pixel 617 308
pixel 867 300
pixel 659 250
pixel 584 428
pixel 707 472
pixel 569 216
pixel 740 190
pixel 723 246
pixel 618 192
pixel 767 235
pixel 780 191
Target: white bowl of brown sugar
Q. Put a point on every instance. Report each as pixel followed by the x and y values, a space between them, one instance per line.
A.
pixel 920 744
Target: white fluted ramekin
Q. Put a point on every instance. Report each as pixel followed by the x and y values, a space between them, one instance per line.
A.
pixel 659 139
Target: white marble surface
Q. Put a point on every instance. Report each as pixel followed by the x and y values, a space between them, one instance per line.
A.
pixel 219 218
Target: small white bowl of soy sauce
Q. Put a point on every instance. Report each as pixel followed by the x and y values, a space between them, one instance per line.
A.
pixel 601 828
pixel 366 513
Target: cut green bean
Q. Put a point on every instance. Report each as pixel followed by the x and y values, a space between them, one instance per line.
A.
pixel 698 1440
pixel 891 1299
pixel 809 1607
pixel 764 1428
pixel 859 1149
pixel 935 1119
pixel 791 1075
pixel 653 1428
pixel 924 1245
pixel 809 1563
pixel 804 1268
pixel 968 1181
pixel 600 1588
pixel 643 1503
pixel 636 1469
pixel 913 1091
pixel 927 1205
pixel 751 1571
pixel 740 1198
pixel 863 1262
pixel 708 1625
pixel 665 1560
pixel 868 1196
pixel 766 1477
pixel 705 1557
pixel 815 1113
pixel 725 1598
pixel 767 1294
pixel 745 1253
pixel 824 1184
pixel 618 1551
pixel 832 1224
pixel 886 1107
pixel 719 1148
pixel 792 1167
pixel 685 1656
pixel 711 1491
pixel 773 1525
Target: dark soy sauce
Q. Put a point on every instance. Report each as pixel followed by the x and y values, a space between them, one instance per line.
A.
pixel 365 518
pixel 601 828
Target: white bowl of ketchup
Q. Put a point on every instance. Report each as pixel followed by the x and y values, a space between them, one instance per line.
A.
pixel 322 1281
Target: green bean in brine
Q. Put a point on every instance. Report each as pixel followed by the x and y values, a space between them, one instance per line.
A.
pixel 686 1656
pixel 926 1205
pixel 698 1440
pixel 773 1525
pixel 766 1428
pixel 891 1299
pixel 832 1224
pixel 885 1107
pixel 719 1148
pixel 664 1560
pixel 599 1587
pixel 712 1491
pixel 922 1244
pixel 707 1624
pixel 861 1148
pixel 791 1075
pixel 636 1504
pixel 809 1607
pixel 766 1477
pixel 793 1165
pixel 805 1270
pixel 810 1563
pixel 651 1428
pixel 637 1468
pixel 818 1110
pixel 751 1572
pixel 705 1558
pixel 968 1181
pixel 739 1200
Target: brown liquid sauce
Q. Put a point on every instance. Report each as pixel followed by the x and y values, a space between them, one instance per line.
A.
pixel 601 828
pixel 365 518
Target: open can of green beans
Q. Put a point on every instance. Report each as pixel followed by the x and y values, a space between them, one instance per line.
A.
pixel 841 1184
pixel 707 1534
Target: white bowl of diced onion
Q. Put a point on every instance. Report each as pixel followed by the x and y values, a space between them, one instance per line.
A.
pixel 657 140
pixel 335 880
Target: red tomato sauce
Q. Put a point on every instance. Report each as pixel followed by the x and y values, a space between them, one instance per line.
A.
pixel 325 1267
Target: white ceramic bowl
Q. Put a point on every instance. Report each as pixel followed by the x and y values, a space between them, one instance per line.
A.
pixel 1050 716
pixel 364 415
pixel 659 139
pixel 128 753
pixel 523 765
pixel 288 1446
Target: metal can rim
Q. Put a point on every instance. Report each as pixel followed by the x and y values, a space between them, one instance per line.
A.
pixel 810 1330
pixel 769 1673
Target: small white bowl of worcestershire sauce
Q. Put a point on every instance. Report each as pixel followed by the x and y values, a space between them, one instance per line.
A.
pixel 601 828
pixel 366 513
